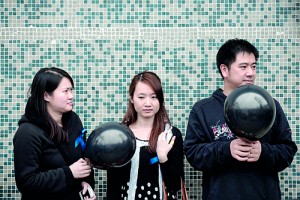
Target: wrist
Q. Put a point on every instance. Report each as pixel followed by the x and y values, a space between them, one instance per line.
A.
pixel 162 158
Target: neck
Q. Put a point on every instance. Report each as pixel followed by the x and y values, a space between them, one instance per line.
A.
pixel 226 93
pixel 227 89
pixel 142 129
pixel 142 124
pixel 57 117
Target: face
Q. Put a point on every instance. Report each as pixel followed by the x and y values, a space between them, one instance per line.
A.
pixel 145 101
pixel 241 72
pixel 61 100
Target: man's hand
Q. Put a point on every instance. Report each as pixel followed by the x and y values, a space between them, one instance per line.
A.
pixel 245 150
pixel 255 151
pixel 240 149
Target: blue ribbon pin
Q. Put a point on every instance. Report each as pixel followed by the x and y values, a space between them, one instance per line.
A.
pixel 153 160
pixel 80 140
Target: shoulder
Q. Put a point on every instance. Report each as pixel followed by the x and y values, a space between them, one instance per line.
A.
pixel 203 104
pixel 74 116
pixel 74 119
pixel 280 113
pixel 213 102
pixel 174 128
pixel 176 131
pixel 29 129
pixel 277 104
pixel 28 132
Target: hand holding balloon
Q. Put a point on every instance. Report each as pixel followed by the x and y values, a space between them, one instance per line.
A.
pixel 255 151
pixel 240 149
pixel 245 150
pixel 80 169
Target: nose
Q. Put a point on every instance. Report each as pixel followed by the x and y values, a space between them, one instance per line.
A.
pixel 250 71
pixel 70 94
pixel 147 102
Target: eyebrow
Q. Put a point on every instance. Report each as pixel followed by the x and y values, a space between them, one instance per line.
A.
pixel 245 63
pixel 68 88
pixel 146 94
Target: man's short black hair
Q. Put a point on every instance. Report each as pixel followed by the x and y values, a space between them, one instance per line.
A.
pixel 229 50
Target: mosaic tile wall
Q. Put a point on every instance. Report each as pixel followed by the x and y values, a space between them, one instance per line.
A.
pixel 102 44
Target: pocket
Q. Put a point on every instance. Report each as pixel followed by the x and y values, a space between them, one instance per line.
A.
pixel 237 187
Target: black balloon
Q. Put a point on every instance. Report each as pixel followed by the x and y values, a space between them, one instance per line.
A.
pixel 112 144
pixel 249 111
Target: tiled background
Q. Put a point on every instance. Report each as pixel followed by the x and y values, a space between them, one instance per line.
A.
pixel 102 44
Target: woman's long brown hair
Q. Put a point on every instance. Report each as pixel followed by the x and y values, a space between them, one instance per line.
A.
pixel 161 117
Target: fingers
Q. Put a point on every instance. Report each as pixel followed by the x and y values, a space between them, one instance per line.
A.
pixel 164 146
pixel 80 169
pixel 245 150
pixel 84 189
pixel 255 152
pixel 172 140
pixel 88 189
pixel 240 150
pixel 162 136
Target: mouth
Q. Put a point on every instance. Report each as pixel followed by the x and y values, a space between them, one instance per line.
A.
pixel 147 110
pixel 248 82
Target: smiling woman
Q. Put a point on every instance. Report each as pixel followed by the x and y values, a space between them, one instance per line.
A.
pixel 47 155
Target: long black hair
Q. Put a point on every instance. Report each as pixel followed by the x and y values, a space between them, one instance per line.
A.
pixel 47 80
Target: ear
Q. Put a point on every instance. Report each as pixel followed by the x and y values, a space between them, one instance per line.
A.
pixel 46 96
pixel 224 70
pixel 130 99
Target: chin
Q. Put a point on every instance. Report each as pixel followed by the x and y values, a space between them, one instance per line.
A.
pixel 69 109
pixel 247 83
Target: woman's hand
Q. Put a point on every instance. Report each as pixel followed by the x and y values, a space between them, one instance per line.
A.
pixel 163 147
pixel 81 168
pixel 87 188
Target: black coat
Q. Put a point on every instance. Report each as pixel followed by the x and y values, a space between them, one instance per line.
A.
pixel 41 165
pixel 207 148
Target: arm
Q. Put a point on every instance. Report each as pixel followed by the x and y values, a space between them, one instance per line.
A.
pixel 202 151
pixel 30 173
pixel 278 148
pixel 113 190
pixel 75 126
pixel 172 169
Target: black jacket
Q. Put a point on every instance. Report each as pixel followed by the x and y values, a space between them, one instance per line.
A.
pixel 207 148
pixel 41 165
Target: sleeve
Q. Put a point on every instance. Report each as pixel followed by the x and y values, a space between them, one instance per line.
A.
pixel 278 154
pixel 113 185
pixel 201 150
pixel 28 149
pixel 172 169
pixel 91 178
pixel 77 125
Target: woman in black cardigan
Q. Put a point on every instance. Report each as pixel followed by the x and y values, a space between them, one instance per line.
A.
pixel 49 142
pixel 156 169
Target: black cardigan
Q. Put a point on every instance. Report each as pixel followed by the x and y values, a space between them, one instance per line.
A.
pixel 172 172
